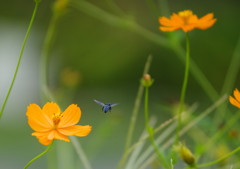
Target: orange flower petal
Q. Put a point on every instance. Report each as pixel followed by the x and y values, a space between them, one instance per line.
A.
pixel 37 120
pixel 176 20
pixel 76 130
pixel 187 28
pixel 70 116
pixel 50 109
pixel 206 21
pixel 168 29
pixel 207 17
pixel 165 21
pixel 42 137
pixel 54 134
pixel 170 24
pixel 236 94
pixel 234 102
pixel 193 19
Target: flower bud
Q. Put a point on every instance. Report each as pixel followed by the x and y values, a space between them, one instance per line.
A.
pixel 59 6
pixel 147 81
pixel 185 154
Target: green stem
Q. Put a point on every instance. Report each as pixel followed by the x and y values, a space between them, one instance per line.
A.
pixel 184 86
pixel 81 153
pixel 233 70
pixel 164 7
pixel 122 22
pixel 151 133
pixel 137 105
pixel 136 144
pixel 48 41
pixel 115 8
pixel 229 82
pixel 220 159
pixel 38 156
pixel 20 57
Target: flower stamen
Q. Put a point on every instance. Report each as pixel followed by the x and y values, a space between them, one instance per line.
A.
pixel 56 119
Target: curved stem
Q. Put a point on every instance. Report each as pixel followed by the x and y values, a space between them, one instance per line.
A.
pixel 38 156
pixel 48 41
pixel 220 159
pixel 151 133
pixel 20 57
pixel 184 86
pixel 81 154
pixel 137 105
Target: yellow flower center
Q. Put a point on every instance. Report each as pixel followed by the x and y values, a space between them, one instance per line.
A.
pixel 56 119
pixel 185 15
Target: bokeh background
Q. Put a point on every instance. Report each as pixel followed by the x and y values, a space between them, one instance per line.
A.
pixel 109 62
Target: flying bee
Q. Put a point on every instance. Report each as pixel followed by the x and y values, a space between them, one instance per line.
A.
pixel 106 106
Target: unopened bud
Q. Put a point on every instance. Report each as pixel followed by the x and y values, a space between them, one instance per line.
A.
pixel 185 154
pixel 59 6
pixel 147 81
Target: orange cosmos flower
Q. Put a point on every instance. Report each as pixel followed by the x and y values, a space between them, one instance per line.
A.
pixel 235 101
pixel 50 123
pixel 186 21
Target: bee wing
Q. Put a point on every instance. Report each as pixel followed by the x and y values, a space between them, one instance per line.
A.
pixel 114 104
pixel 100 103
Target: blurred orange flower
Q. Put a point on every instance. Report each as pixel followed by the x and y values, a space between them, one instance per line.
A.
pixel 186 21
pixel 235 101
pixel 50 123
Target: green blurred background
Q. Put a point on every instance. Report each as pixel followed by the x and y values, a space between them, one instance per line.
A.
pixel 110 62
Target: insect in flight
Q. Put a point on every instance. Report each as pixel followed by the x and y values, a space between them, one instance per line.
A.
pixel 106 106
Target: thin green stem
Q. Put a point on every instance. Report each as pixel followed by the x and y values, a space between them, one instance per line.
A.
pixel 47 44
pixel 81 153
pixel 184 86
pixel 229 82
pixel 220 159
pixel 135 113
pixel 115 8
pixel 233 70
pixel 163 7
pixel 38 156
pixel 146 107
pixel 20 57
pixel 136 144
pixel 122 22
pixel 137 105
pixel 151 133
